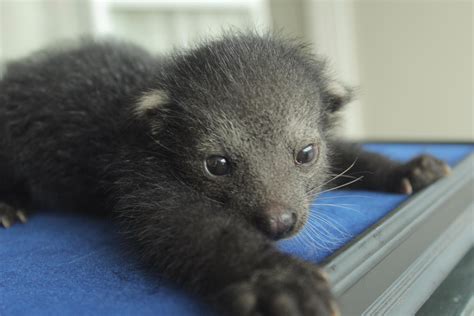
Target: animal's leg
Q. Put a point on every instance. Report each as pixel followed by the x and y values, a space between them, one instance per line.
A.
pixel 212 251
pixel 376 172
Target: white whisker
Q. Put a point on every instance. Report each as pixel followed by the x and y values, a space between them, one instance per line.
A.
pixel 342 173
pixel 344 196
pixel 331 223
pixel 317 230
pixel 342 185
pixel 343 206
pixel 312 191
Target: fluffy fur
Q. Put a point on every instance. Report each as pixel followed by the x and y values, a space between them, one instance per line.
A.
pixel 105 126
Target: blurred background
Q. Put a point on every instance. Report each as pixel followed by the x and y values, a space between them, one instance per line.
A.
pixel 412 60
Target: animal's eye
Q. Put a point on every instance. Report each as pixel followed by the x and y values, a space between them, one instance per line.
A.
pixel 217 165
pixel 307 154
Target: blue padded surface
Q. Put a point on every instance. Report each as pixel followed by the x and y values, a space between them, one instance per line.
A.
pixel 70 264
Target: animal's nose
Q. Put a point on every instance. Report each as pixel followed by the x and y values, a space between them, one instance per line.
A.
pixel 277 222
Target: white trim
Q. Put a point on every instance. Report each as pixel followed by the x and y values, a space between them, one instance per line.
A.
pixel 102 10
pixel 469 309
pixel 183 4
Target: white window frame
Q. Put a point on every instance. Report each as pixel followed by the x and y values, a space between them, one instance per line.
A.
pixel 395 266
pixel 101 9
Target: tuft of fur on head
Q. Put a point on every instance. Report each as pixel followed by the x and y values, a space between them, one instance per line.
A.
pixel 256 100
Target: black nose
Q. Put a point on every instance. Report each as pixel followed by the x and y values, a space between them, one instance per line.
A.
pixel 277 222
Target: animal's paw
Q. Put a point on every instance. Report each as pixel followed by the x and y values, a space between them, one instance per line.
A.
pixel 418 173
pixel 300 289
pixel 10 215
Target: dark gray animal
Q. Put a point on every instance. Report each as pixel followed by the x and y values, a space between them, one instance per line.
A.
pixel 204 158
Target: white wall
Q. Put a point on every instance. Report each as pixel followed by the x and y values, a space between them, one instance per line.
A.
pixel 28 25
pixel 416 66
pixel 412 59
pixel 160 25
pixel 329 26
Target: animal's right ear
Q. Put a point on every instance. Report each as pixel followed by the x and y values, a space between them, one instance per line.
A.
pixel 151 107
pixel 336 95
pixel 150 103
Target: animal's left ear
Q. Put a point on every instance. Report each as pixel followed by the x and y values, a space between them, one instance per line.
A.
pixel 336 95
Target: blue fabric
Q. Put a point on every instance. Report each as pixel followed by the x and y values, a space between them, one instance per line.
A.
pixel 71 264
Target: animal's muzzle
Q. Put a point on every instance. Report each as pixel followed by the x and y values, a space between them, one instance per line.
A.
pixel 277 221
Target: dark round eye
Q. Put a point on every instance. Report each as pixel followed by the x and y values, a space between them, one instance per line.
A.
pixel 307 154
pixel 217 165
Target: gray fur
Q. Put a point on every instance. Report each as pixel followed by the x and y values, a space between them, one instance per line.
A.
pixel 105 126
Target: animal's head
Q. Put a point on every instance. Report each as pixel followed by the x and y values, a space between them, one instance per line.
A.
pixel 247 121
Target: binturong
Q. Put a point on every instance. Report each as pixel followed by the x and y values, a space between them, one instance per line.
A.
pixel 204 157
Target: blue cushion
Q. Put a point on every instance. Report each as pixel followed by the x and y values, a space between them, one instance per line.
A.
pixel 70 264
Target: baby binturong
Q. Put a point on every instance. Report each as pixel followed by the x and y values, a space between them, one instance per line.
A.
pixel 204 158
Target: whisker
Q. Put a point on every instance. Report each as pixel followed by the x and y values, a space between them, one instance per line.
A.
pixel 315 238
pixel 342 173
pixel 327 204
pixel 343 206
pixel 325 236
pixel 343 185
pixel 344 196
pixel 312 191
pixel 317 229
pixel 320 242
pixel 333 224
pixel 330 224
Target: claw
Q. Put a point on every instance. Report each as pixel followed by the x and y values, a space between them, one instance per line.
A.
pixel 446 170
pixel 406 187
pixel 324 275
pixel 334 309
pixel 6 222
pixel 20 214
pixel 9 215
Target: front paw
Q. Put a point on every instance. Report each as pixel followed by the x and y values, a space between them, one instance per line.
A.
pixel 417 174
pixel 298 289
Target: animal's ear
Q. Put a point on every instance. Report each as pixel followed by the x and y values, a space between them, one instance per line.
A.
pixel 336 95
pixel 151 107
pixel 150 103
